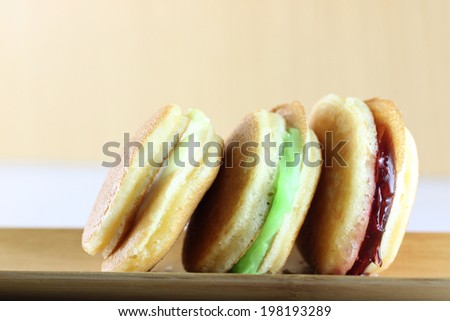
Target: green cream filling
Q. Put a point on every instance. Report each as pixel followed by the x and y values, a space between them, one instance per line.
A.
pixel 286 186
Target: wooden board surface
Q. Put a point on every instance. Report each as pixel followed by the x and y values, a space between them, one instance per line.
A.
pixel 51 264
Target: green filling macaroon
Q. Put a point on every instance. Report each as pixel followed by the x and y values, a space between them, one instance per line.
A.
pixel 286 187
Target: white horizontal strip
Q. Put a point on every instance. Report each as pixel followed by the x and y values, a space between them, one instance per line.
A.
pixel 60 195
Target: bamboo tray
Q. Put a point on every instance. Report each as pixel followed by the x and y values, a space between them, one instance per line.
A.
pixel 49 264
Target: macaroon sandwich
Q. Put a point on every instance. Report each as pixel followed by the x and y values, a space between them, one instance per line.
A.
pixel 248 221
pixel 359 213
pixel 143 207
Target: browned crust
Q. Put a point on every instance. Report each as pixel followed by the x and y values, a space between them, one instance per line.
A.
pixel 136 254
pixel 113 182
pixel 325 251
pixel 337 220
pixel 294 114
pixel 215 214
pixel 387 117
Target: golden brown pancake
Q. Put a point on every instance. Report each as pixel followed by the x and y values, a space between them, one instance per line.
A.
pixel 151 204
pixel 338 220
pixel 387 114
pixel 124 187
pixel 232 213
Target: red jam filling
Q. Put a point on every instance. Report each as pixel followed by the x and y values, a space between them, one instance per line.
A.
pixel 369 251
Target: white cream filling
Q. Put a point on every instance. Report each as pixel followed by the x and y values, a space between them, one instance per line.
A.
pixel 169 180
pixel 136 183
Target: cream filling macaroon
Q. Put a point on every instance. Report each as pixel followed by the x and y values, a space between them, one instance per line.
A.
pixel 126 185
pixel 136 202
pixel 286 187
pixel 158 220
pixel 358 217
pixel 249 219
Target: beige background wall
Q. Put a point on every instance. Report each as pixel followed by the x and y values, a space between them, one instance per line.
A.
pixel 75 74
